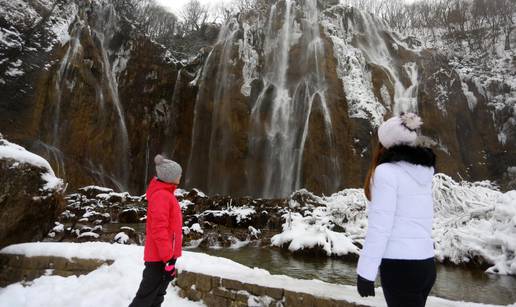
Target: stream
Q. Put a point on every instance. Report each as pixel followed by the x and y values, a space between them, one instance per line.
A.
pixel 454 283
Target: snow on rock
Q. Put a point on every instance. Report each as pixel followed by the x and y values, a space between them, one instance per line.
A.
pixel 121 238
pixel 197 228
pixel 250 58
pixel 314 227
pixel 490 77
pixel 185 203
pixel 96 188
pixel 352 70
pixel 97 287
pixel 88 234
pixel 15 152
pixel 58 228
pixel 240 214
pixel 253 232
pixel 180 192
pixel 200 193
pixel 473 222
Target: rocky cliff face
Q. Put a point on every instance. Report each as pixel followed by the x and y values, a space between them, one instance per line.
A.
pixel 102 101
pixel 287 97
pixel 304 87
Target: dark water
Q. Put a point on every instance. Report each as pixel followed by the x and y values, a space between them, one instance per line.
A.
pixel 453 283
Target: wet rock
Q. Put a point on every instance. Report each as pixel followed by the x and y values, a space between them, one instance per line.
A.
pixel 129 216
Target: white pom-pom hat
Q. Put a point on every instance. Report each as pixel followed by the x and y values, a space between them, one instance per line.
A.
pixel 400 130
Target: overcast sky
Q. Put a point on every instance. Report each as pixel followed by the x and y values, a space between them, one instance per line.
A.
pixel 176 5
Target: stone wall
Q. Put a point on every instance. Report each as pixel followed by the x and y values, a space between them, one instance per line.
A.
pixel 212 290
pixel 16 268
pixel 218 292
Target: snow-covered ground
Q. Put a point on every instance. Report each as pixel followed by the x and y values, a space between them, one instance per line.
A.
pixel 471 220
pixel 115 285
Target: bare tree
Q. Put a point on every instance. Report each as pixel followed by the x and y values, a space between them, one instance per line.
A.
pixel 507 10
pixel 158 23
pixel 194 15
pixel 224 11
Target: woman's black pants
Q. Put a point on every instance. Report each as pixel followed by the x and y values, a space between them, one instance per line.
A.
pixel 407 283
pixel 153 287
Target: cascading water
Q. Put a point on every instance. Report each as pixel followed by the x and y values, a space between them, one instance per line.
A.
pixel 53 155
pixel 73 47
pixel 106 88
pixel 287 127
pixel 280 114
pixel 214 127
pixel 376 51
pixel 112 86
pixel 279 144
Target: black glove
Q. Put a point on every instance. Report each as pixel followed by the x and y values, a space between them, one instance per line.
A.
pixel 170 268
pixel 365 287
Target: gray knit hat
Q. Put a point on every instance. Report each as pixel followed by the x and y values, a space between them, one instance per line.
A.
pixel 167 170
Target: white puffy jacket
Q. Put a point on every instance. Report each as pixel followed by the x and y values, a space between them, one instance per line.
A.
pixel 399 216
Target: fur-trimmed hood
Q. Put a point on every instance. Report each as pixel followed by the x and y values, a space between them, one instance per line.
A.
pixel 415 155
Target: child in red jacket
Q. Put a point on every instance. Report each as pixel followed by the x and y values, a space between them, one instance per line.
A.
pixel 164 236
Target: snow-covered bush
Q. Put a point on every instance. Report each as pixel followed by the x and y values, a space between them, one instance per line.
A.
pixel 472 222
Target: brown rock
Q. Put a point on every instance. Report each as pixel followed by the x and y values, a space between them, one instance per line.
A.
pixel 185 279
pixel 26 211
pixel 193 294
pixel 232 284
pixel 275 293
pixel 212 300
pixel 203 282
pixel 224 293
pixel 298 299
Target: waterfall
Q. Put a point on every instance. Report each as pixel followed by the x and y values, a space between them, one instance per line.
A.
pixel 376 51
pixel 73 47
pixel 280 139
pixel 53 155
pixel 407 97
pixel 112 87
pixel 177 87
pixel 215 126
pixel 105 89
pixel 270 152
pixel 287 128
pixel 316 47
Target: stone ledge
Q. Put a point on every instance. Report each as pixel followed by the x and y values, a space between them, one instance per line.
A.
pixel 215 291
pixel 16 268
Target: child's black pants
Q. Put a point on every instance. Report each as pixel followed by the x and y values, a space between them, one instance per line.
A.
pixel 153 287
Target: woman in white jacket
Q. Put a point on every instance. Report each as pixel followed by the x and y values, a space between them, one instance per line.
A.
pixel 398 241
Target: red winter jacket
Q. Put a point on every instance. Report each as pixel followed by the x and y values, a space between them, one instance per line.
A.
pixel 164 223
